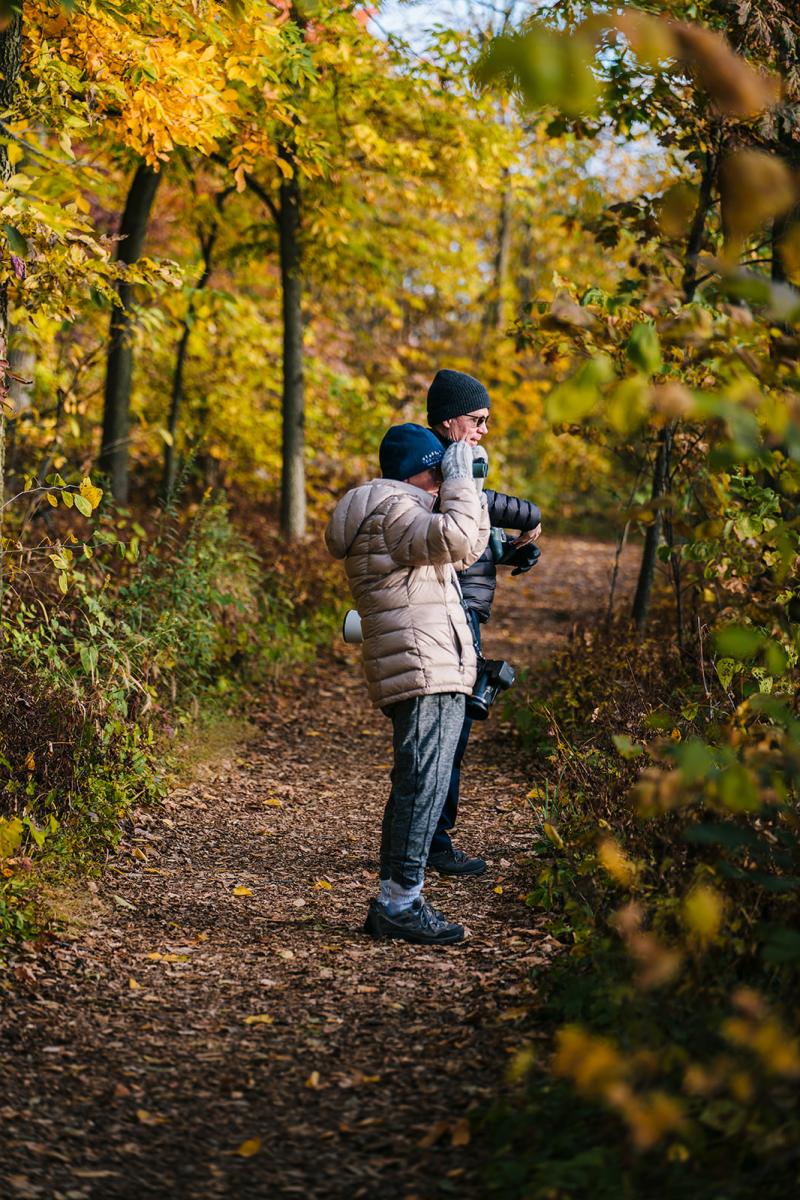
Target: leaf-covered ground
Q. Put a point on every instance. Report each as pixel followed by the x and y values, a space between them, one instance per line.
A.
pixel 215 1023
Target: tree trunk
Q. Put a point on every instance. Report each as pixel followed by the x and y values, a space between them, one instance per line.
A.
pixel 133 227
pixel 697 230
pixel 494 315
pixel 22 361
pixel 644 586
pixel 207 243
pixel 10 57
pixel 293 488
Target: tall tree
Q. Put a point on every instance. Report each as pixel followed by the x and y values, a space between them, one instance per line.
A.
pixel 116 412
pixel 10 58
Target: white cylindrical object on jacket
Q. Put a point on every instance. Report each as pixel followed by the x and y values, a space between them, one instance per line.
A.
pixel 351 628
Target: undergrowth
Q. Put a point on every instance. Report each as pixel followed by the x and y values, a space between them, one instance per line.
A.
pixel 99 685
pixel 667 861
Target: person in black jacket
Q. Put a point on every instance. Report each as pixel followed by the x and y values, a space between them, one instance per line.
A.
pixel 458 410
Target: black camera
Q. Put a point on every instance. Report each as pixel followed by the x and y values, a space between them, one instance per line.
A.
pixel 495 675
pixel 480 468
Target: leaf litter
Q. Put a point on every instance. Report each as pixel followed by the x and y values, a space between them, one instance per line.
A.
pixel 377 1054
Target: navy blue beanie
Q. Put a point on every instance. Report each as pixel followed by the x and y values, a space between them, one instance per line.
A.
pixel 408 449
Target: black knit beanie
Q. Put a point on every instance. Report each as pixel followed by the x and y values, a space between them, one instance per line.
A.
pixel 452 394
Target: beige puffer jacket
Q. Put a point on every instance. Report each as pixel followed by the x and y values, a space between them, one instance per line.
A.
pixel 401 562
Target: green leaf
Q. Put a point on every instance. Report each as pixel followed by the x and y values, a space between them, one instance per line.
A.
pixel 695 759
pixel 88 658
pixel 625 746
pixel 37 834
pixel 726 669
pixel 16 242
pixel 730 836
pixel 781 945
pixel 82 504
pixel 775 658
pixel 738 641
pixel 737 789
pixel 11 830
pixel 644 348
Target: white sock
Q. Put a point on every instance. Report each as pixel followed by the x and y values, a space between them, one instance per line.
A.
pixel 397 898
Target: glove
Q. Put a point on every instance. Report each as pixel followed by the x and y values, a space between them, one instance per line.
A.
pixel 457 461
pixel 525 558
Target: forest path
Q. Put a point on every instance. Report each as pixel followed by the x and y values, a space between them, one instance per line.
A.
pixel 194 1040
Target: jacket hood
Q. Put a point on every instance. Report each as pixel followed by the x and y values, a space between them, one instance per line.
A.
pixel 359 503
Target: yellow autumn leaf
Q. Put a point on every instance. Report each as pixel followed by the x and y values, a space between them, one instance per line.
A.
pixel 30 762
pixel 313 1080
pixel 89 492
pixel 615 862
pixel 323 884
pixel 702 911
pixel 148 1118
pixel 521 1064
pixel 259 1019
pixel 11 831
pixel 241 890
pixel 552 833
pixel 249 1148
pixel 133 985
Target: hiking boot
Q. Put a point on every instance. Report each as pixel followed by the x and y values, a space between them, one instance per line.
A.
pixel 420 923
pixel 455 862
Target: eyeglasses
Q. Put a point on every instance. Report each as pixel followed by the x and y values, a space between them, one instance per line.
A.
pixel 478 421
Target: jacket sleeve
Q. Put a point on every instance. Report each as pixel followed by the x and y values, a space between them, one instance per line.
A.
pixel 479 547
pixel 416 537
pixel 510 512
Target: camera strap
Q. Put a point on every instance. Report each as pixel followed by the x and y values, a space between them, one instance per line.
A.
pixel 468 618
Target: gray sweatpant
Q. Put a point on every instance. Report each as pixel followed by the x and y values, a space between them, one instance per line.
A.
pixel 426 733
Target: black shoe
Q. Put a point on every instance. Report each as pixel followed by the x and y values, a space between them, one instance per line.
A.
pixel 420 923
pixel 455 862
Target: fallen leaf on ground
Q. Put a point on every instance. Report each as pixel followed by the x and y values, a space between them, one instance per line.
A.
pixel 460 1134
pixel 439 1129
pixel 132 984
pixel 148 1118
pixel 313 1080
pixel 249 1148
pixel 242 891
pixel 323 883
pixel 259 1019
pixel 513 1014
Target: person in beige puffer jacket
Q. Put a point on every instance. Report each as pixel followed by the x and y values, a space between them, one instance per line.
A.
pixel 402 538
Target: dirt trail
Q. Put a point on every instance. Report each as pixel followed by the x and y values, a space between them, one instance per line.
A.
pixel 191 1022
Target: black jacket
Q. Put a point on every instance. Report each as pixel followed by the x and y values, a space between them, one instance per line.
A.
pixel 479 581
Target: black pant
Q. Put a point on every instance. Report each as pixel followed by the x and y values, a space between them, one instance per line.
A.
pixel 441 838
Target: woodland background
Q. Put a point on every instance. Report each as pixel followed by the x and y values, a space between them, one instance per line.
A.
pixel 238 241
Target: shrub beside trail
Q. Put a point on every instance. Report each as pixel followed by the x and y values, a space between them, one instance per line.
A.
pixel 153 635
pixel 668 858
